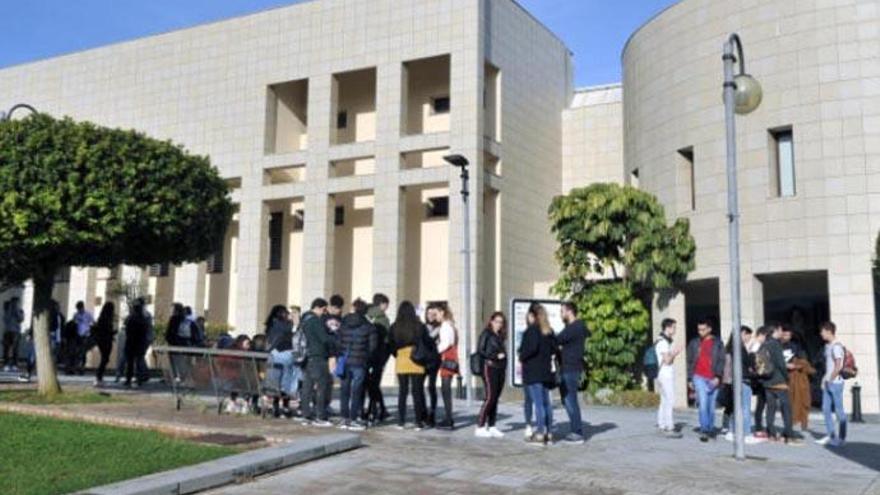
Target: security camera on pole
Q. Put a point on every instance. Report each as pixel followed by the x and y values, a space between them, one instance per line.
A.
pixel 742 95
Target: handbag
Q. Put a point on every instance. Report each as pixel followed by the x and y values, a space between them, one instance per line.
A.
pixel 449 365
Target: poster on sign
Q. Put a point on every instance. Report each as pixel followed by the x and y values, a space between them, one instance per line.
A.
pixel 519 308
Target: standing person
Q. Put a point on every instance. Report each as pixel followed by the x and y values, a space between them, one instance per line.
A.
pixel 82 343
pixel 748 365
pixel 279 344
pixel 572 341
pixel 432 324
pixel 705 370
pixel 666 355
pixel 136 327
pixel 492 348
pixel 771 366
pixel 447 348
pixel 357 342
pixel 536 354
pixel 333 322
pixel 799 372
pixel 13 316
pixel 832 387
pixel 376 410
pixel 405 332
pixel 316 373
pixel 103 332
pixel 182 329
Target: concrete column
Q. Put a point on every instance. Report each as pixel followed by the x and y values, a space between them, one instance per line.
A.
pixel 189 286
pixel 389 242
pixel 318 242
pixel 253 225
pixel 752 300
pixel 675 309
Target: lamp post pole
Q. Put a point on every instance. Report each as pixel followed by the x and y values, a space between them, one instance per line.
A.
pixel 462 163
pixel 742 94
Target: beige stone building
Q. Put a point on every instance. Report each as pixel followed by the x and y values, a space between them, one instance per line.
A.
pixel 330 118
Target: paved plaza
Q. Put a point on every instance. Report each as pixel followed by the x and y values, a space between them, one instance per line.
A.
pixel 623 455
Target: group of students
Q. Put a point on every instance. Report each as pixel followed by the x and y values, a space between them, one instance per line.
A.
pixel 360 343
pixel 775 372
pixel 72 339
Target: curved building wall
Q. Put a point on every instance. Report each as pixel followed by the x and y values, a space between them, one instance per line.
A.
pixel 819 64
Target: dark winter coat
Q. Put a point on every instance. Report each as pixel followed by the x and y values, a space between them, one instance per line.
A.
pixel 572 341
pixel 489 346
pixel 536 355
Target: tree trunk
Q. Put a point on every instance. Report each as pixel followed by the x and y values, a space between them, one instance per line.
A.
pixel 46 374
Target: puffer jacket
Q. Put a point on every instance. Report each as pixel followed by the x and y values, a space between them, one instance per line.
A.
pixel 358 339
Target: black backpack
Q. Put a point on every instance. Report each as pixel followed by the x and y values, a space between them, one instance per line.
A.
pixel 425 351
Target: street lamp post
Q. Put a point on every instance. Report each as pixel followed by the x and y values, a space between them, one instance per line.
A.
pixel 742 95
pixel 8 115
pixel 461 162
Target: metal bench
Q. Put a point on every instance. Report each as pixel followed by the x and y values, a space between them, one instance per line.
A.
pixel 196 370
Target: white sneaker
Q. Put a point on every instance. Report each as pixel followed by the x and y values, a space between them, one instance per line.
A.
pixel 824 440
pixel 528 432
pixel 728 436
pixel 752 440
pixel 482 432
pixel 495 432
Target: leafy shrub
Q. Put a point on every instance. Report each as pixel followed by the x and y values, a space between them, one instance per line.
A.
pixel 619 325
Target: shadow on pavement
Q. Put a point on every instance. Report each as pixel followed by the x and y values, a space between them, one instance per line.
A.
pixel 591 430
pixel 866 454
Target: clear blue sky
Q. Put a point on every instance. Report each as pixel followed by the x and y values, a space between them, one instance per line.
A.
pixel 595 30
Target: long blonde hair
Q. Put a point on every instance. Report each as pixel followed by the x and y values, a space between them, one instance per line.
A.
pixel 540 315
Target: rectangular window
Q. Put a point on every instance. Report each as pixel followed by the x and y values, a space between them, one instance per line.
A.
pixel 440 104
pixel 276 231
pixel 342 120
pixel 687 176
pixel 339 216
pixel 438 207
pixel 159 270
pixel 782 162
pixel 299 219
pixel 215 262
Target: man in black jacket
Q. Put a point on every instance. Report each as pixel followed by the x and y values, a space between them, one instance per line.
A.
pixel 358 340
pixel 776 382
pixel 571 345
pixel 316 374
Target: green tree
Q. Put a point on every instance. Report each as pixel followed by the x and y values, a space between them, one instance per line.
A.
pixel 77 194
pixel 609 232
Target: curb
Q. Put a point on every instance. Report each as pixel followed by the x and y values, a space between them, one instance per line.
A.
pixel 231 469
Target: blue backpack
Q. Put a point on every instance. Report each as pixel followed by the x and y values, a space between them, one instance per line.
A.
pixel 650 363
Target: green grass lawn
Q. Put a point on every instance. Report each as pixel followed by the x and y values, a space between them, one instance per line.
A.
pixel 29 396
pixel 43 456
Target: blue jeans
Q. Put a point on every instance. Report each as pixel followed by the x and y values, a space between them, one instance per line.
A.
pixel 540 395
pixel 570 382
pixel 291 374
pixel 707 395
pixel 832 395
pixel 351 392
pixel 527 406
pixel 747 410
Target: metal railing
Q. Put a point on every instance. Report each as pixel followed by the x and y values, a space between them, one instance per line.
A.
pixel 196 370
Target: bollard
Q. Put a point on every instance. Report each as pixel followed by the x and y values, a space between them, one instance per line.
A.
pixel 857 404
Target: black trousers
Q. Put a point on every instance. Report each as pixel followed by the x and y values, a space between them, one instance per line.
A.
pixel 778 399
pixel 493 381
pixel 417 384
pixel 431 377
pixel 105 347
pixel 376 407
pixel 10 349
pixel 760 406
pixel 133 353
pixel 316 381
